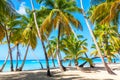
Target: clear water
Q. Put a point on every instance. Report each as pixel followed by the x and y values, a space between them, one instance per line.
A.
pixel 33 64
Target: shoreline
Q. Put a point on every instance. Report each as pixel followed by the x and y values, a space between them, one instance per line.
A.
pixel 97 73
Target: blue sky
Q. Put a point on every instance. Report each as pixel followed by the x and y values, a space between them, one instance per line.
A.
pixel 20 8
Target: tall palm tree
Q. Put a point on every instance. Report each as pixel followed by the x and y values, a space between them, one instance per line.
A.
pixel 59 17
pixel 97 47
pixel 7 31
pixel 6 10
pixel 16 37
pixel 27 33
pixel 40 36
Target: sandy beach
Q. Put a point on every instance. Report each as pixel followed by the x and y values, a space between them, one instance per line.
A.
pixel 97 73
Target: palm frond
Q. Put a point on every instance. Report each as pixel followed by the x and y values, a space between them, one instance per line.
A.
pixel 2 33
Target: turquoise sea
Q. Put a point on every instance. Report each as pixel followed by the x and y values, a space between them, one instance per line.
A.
pixel 34 64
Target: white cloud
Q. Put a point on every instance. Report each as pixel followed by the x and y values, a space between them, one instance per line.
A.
pixel 21 9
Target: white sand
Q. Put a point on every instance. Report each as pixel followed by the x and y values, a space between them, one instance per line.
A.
pixel 97 73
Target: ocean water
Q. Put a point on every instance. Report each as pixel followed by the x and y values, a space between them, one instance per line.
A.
pixel 34 64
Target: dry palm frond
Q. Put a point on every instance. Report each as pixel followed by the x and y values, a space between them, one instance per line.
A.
pixel 56 21
pixel 44 24
pixel 2 33
pixel 101 13
pixel 33 40
pixel 64 18
pixel 113 12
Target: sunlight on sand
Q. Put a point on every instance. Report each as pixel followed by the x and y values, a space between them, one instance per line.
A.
pixel 97 73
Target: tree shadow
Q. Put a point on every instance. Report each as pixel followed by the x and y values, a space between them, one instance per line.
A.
pixel 41 75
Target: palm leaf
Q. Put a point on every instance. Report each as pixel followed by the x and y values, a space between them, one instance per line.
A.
pixel 2 33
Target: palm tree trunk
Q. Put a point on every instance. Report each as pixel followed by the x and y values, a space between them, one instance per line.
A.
pixel 38 60
pixel 1 69
pixel 62 68
pixel 91 65
pixel 17 56
pixel 83 64
pixel 9 49
pixel 70 63
pixel 39 35
pixel 22 65
pixel 53 62
pixel 93 37
pixel 76 64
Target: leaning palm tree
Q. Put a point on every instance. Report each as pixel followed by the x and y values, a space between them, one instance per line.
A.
pixel 40 36
pixel 97 47
pixel 110 16
pixel 59 17
pixel 108 39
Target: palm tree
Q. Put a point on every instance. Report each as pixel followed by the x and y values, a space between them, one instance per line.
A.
pixel 97 47
pixel 27 34
pixel 40 36
pixel 6 10
pixel 108 39
pixel 6 28
pixel 74 49
pixel 110 15
pixel 59 17
pixel 16 38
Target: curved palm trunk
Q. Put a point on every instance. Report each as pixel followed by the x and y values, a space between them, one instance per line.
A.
pixel 62 68
pixel 22 65
pixel 1 69
pixel 41 64
pixel 17 55
pixel 9 49
pixel 91 65
pixel 93 37
pixel 39 35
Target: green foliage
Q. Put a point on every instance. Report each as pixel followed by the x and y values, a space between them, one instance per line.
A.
pixel 59 15
pixel 108 40
pixel 74 49
pixel 106 12
pixel 6 9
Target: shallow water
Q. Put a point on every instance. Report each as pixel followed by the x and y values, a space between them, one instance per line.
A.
pixel 34 64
